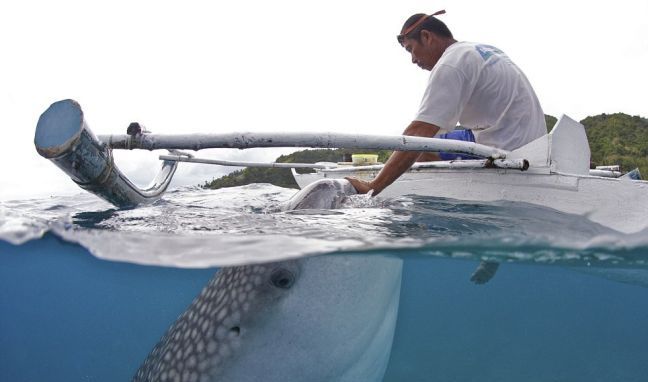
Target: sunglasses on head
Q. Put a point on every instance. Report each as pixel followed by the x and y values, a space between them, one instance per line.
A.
pixel 401 37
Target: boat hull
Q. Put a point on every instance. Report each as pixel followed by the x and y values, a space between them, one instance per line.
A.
pixel 618 203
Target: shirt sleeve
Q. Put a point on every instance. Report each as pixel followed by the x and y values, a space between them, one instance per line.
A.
pixel 447 93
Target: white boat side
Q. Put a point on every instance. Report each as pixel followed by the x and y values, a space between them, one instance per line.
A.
pixel 558 178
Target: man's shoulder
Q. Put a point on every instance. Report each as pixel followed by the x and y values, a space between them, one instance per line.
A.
pixel 474 48
pixel 467 53
pixel 463 53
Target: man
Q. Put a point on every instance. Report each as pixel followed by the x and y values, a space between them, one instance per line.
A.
pixel 472 84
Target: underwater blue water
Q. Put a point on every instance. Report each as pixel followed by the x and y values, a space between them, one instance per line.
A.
pixel 68 316
pixel 530 323
pixel 558 309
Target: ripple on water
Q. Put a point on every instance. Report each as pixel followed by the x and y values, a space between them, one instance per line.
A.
pixel 193 227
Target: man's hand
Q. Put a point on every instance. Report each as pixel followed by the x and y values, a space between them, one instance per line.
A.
pixel 361 186
pixel 397 163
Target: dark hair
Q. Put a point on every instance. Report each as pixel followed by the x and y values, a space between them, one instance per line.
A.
pixel 430 23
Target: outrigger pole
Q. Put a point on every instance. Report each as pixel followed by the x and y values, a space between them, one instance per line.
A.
pixel 63 136
pixel 314 140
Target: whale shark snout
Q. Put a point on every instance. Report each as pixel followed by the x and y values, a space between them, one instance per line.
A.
pixel 316 319
pixel 323 194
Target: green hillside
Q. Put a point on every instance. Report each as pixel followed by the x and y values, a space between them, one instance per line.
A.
pixel 550 120
pixel 618 139
pixel 614 139
pixel 281 176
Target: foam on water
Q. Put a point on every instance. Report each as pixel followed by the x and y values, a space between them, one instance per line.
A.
pixel 195 228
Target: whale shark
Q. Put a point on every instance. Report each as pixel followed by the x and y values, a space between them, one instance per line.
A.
pixel 321 318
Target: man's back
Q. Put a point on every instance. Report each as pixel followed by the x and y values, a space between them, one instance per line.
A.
pixel 473 84
pixel 480 88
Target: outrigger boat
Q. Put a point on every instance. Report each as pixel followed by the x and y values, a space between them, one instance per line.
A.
pixel 552 171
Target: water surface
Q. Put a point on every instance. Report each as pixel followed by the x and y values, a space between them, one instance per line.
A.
pixel 86 290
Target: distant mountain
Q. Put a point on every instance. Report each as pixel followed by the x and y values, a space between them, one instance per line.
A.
pixel 618 139
pixel 614 139
pixel 282 177
pixel 550 121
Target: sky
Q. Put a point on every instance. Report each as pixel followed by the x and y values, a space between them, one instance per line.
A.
pixel 283 66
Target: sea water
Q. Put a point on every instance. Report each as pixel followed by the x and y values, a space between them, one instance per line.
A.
pixel 86 290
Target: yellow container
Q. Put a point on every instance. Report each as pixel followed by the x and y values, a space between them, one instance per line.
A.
pixel 364 159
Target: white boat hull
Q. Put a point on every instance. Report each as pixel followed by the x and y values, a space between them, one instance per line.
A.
pixel 558 177
pixel 618 203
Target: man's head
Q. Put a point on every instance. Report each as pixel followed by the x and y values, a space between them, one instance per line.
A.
pixel 425 38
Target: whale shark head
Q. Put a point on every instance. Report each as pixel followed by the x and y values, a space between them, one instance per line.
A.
pixel 318 319
pixel 323 194
pixel 212 330
pixel 323 318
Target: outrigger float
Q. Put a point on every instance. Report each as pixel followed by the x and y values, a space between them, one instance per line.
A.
pixel 552 171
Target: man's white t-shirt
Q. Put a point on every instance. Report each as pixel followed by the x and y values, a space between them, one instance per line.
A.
pixel 480 88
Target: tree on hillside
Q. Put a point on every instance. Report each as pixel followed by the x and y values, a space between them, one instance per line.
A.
pixel 618 139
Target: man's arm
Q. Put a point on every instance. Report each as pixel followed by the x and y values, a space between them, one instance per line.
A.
pixel 398 163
